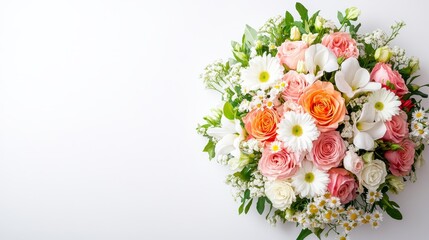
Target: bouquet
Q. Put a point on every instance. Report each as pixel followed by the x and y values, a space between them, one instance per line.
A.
pixel 319 123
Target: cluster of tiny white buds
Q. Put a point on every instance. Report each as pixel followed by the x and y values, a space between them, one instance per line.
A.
pixel 377 38
pixel 250 146
pixel 222 159
pixel 398 56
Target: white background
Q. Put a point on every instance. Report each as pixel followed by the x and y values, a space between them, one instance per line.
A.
pixel 98 105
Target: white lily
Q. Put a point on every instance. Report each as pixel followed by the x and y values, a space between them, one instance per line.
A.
pixel 230 134
pixel 319 59
pixel 366 130
pixel 352 79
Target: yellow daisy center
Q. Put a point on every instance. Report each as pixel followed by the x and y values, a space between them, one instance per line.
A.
pixel 309 177
pixel 264 76
pixel 297 130
pixel 275 148
pixel 379 106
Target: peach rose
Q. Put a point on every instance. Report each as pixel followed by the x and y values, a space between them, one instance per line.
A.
pixel 262 124
pixel 328 150
pixel 324 104
pixel 383 72
pixel 397 128
pixel 401 160
pixel 279 165
pixel 295 85
pixel 341 44
pixel 342 185
pixel 290 53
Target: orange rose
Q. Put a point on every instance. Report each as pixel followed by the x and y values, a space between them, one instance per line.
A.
pixel 262 124
pixel 324 104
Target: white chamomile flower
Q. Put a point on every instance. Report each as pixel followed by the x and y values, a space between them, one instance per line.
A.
pixel 275 146
pixel 416 126
pixel 385 103
pixel 297 131
pixel 263 71
pixel 343 237
pixel 419 115
pixel 310 181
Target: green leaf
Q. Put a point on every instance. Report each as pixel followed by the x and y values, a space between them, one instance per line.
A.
pixel 303 12
pixel 241 208
pixel 246 194
pixel 260 205
pixel 304 233
pixel 289 18
pixel 210 149
pixel 394 204
pixel 394 213
pixel 228 111
pixel 246 210
pixel 247 172
pixel 318 232
pixel 340 17
pixel 241 57
pixel 251 35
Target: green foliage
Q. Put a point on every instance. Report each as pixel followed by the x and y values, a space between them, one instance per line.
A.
pixel 228 111
pixel 251 35
pixel 303 12
pixel 390 207
pixel 260 205
pixel 304 233
pixel 210 149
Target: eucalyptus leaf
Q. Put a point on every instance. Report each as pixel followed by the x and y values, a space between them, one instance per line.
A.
pixel 289 18
pixel 251 35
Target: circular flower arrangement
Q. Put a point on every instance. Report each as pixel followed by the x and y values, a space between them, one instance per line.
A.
pixel 319 123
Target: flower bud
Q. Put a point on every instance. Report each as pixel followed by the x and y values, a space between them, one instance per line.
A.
pixel 383 54
pixel 419 161
pixel 368 157
pixel 319 23
pixel 396 183
pixel 352 13
pixel 295 34
pixel 414 64
pixel 301 67
pixel 309 38
pixel 289 213
pixel 258 44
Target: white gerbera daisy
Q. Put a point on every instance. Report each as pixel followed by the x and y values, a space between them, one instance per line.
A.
pixel 297 131
pixel 309 181
pixel 419 114
pixel 385 103
pixel 262 72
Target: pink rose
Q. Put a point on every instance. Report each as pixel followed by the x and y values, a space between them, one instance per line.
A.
pixel 401 160
pixel 290 53
pixel 328 150
pixel 353 162
pixel 397 128
pixel 341 44
pixel 342 185
pixel 279 165
pixel 295 85
pixel 383 72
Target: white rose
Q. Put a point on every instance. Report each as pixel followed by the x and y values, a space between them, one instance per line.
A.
pixel 396 183
pixel 353 162
pixel 280 193
pixel 373 174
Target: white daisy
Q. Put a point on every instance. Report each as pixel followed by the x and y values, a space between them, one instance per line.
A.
pixel 297 131
pixel 262 72
pixel 419 114
pixel 385 103
pixel 275 146
pixel 309 181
